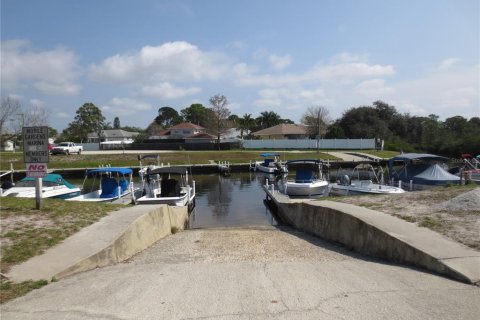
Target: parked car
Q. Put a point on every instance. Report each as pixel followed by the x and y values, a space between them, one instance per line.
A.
pixel 67 148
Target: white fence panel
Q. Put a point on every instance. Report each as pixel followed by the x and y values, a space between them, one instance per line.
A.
pixel 310 144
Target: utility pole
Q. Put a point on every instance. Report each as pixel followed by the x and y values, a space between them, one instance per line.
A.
pixel 318 131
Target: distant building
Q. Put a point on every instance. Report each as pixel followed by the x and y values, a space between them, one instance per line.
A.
pixel 112 135
pixel 282 131
pixel 180 131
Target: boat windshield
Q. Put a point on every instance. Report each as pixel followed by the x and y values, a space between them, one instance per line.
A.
pixel 31 183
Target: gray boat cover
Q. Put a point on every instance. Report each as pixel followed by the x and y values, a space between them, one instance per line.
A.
pixel 432 175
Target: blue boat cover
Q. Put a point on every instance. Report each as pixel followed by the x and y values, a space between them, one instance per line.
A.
pixel 304 175
pixel 268 154
pixel 110 169
pixel 109 188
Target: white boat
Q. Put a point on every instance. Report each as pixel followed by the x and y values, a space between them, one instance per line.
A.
pixel 162 188
pixel 115 183
pixel 53 186
pixel 308 181
pixel 145 166
pixel 270 165
pixel 363 180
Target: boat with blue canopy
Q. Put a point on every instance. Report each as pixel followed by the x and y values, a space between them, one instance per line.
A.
pixel 309 179
pixel 270 165
pixel 115 183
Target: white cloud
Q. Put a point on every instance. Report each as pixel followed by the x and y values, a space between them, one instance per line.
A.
pixel 166 90
pixel 52 72
pixel 374 88
pixel 125 107
pixel 172 61
pixel 37 102
pixel 445 92
pixel 279 62
pixel 448 63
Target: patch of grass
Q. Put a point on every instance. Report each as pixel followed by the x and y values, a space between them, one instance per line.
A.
pixel 10 290
pixel 174 158
pixel 406 218
pixel 44 228
pixel 431 223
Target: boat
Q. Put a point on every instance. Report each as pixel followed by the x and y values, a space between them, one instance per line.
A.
pixel 418 171
pixel 270 165
pixel 168 185
pixel 53 186
pixel 470 171
pixel 115 183
pixel 363 180
pixel 148 166
pixel 309 180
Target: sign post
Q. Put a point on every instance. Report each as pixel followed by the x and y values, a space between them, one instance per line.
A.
pixel 35 153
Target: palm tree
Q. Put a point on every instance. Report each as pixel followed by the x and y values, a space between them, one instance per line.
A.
pixel 268 119
pixel 246 123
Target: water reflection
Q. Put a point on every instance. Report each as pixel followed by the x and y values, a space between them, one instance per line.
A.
pixel 236 200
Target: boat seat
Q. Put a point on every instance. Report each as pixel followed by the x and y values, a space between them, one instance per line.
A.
pixel 170 188
pixel 303 175
pixel 109 188
pixel 267 162
pixel 124 185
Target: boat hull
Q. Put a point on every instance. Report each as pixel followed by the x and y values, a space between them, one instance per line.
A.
pixel 306 189
pixel 95 197
pixel 47 192
pixel 154 197
pixel 363 189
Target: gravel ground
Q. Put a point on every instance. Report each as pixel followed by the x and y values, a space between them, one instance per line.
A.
pixel 453 212
pixel 229 245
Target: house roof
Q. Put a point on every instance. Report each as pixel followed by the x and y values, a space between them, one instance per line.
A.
pixel 282 129
pixel 186 125
pixel 201 135
pixel 114 133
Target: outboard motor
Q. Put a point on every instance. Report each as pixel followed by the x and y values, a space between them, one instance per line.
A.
pixel 7 185
pixel 345 180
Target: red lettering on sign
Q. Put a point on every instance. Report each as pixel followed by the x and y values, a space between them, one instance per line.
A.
pixel 36 167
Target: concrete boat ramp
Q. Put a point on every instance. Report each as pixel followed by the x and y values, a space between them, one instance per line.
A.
pixel 379 235
pixel 252 273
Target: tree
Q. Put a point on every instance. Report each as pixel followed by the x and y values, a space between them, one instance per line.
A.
pixel 220 111
pixel 10 108
pixel 268 119
pixel 246 123
pixel 88 119
pixel 116 123
pixel 316 119
pixel 196 114
pixel 13 116
pixel 168 117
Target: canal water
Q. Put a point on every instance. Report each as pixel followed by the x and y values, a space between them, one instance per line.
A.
pixel 233 201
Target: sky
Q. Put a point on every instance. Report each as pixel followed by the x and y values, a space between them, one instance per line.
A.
pixel 131 58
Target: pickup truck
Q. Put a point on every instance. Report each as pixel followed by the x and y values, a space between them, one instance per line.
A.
pixel 67 148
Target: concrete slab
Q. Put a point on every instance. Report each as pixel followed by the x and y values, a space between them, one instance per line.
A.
pixel 94 245
pixel 381 235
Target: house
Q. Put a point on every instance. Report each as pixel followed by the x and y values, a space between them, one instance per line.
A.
pixel 185 129
pixel 179 131
pixel 282 131
pixel 201 137
pixel 113 135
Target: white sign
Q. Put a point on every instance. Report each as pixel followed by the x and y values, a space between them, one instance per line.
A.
pixel 35 144
pixel 36 170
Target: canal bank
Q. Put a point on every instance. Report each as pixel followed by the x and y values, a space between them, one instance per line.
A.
pixel 379 235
